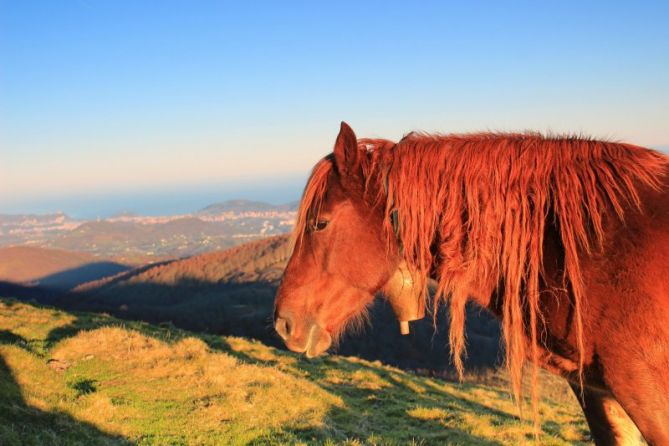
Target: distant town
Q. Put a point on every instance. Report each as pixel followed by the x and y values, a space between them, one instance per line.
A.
pixel 135 238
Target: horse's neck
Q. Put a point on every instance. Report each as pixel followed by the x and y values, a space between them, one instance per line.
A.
pixel 490 294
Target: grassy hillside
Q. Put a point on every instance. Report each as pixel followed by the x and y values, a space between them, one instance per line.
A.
pixel 78 378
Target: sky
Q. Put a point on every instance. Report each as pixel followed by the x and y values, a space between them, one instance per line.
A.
pixel 165 106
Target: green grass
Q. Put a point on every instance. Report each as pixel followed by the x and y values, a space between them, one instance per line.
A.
pixel 78 378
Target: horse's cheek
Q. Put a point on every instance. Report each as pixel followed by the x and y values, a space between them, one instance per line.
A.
pixel 362 267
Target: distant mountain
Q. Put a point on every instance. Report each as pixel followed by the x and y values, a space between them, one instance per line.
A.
pixel 239 206
pixel 126 214
pixel 290 206
pixel 53 268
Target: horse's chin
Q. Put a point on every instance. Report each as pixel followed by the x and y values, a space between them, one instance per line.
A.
pixel 317 343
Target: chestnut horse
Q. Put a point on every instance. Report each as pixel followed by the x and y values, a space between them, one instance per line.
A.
pixel 565 239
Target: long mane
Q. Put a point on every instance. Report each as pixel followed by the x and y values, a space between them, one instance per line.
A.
pixel 474 209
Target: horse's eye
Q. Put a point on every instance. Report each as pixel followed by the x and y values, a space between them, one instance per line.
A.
pixel 320 225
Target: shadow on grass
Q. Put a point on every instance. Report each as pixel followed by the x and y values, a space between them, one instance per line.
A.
pixel 382 413
pixel 7 337
pixel 390 413
pixel 246 309
pixel 385 414
pixel 22 424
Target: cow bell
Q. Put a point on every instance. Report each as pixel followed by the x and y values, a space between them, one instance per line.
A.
pixel 405 292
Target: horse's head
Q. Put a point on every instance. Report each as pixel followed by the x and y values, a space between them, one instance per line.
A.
pixel 341 257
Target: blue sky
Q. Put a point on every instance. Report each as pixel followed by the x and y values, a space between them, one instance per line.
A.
pixel 131 99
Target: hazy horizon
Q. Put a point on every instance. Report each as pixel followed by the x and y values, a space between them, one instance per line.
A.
pixel 154 201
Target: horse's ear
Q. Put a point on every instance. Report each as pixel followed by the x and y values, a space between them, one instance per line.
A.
pixel 347 155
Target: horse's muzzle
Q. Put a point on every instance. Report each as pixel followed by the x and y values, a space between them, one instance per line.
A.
pixel 312 339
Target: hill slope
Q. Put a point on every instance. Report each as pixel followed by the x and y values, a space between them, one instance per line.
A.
pixel 247 206
pixel 228 291
pixel 52 268
pixel 77 378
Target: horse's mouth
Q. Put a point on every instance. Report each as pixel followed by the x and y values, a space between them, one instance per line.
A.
pixel 316 343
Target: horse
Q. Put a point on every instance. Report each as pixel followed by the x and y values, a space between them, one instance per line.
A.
pixel 564 238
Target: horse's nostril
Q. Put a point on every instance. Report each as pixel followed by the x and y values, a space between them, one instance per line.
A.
pixel 282 326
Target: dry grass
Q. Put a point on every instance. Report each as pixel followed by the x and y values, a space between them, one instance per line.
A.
pixel 28 263
pixel 92 380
